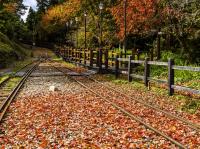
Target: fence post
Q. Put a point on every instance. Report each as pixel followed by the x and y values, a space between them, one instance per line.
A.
pixel 146 72
pixel 70 50
pixel 121 56
pixel 112 57
pixel 170 76
pixel 64 55
pixel 97 58
pixel 67 54
pixel 106 59
pixel 76 55
pixel 129 68
pixel 91 58
pixel 133 53
pixel 80 56
pixel 100 60
pixel 84 56
pixel 72 54
pixel 116 67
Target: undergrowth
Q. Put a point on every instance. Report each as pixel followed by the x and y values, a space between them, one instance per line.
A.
pixel 10 51
pixel 182 77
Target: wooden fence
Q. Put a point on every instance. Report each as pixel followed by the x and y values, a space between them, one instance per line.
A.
pixel 100 59
pixel 110 61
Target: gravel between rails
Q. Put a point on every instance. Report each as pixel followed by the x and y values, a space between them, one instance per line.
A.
pixel 41 85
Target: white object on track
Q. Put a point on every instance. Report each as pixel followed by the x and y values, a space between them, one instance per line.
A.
pixel 52 88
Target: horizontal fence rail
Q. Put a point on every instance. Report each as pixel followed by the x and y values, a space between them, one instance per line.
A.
pixel 197 69
pixel 118 63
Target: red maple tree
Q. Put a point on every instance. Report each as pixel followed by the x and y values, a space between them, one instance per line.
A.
pixel 141 16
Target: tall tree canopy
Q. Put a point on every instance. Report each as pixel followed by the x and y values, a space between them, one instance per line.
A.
pixel 141 16
pixel 10 21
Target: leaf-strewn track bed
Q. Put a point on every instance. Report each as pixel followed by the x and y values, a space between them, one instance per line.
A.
pixel 164 102
pixel 75 117
pixel 76 120
pixel 172 127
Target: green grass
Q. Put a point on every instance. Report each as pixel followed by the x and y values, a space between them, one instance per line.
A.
pixel 55 58
pixel 20 64
pixel 12 82
pixel 3 78
pixel 5 47
pixel 69 65
pixel 17 66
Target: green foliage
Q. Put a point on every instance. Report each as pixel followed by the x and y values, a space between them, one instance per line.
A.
pixel 184 78
pixel 12 26
pixel 178 59
pixel 10 51
pixel 183 26
pixel 31 19
pixel 4 48
pixel 94 21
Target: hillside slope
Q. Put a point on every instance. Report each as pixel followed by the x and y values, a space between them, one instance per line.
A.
pixel 10 51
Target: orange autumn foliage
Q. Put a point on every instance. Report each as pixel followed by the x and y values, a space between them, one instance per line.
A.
pixel 59 14
pixel 10 7
pixel 140 16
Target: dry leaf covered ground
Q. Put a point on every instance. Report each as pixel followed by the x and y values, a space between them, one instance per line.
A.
pixel 73 120
pixel 138 91
pixel 73 117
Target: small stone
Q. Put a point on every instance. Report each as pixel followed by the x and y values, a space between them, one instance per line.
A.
pixel 53 88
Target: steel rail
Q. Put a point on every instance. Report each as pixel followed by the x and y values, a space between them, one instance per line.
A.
pixel 136 118
pixel 6 103
pixel 190 124
pixel 10 76
pixel 147 104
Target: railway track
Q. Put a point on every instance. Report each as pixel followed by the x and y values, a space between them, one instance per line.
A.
pixel 10 87
pixel 128 106
pixel 125 104
pixel 192 125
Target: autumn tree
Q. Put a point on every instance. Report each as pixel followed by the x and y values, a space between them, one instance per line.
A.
pixel 56 17
pixel 141 15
